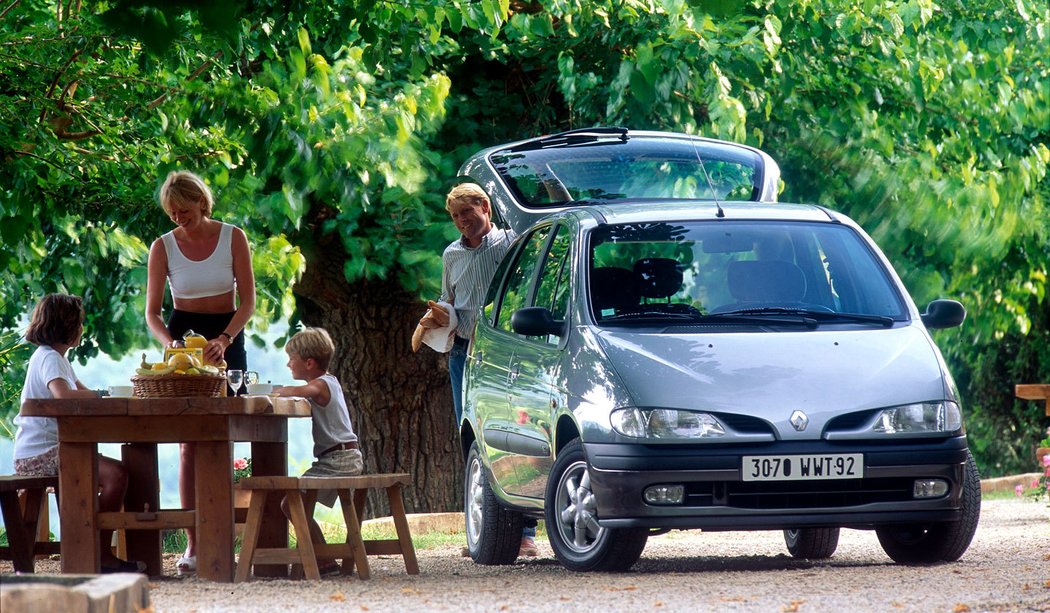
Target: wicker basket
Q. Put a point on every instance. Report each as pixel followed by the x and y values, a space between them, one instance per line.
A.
pixel 167 386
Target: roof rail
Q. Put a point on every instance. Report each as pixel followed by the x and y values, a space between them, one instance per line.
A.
pixel 572 137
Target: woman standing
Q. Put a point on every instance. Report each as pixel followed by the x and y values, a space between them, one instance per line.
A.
pixel 208 266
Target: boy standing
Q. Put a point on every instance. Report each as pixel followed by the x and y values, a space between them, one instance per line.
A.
pixel 335 445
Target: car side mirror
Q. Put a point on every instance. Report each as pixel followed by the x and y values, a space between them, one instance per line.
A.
pixel 535 321
pixel 943 314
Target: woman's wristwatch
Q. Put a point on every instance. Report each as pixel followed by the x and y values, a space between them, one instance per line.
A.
pixel 229 339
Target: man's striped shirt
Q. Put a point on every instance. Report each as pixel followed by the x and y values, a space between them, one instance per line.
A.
pixel 468 272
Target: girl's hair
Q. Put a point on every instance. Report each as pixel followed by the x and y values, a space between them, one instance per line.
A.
pixel 183 189
pixel 56 320
pixel 312 343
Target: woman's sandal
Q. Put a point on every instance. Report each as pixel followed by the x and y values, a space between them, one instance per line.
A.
pixel 187 565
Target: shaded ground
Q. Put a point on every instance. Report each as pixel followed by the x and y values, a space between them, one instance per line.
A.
pixel 1007 568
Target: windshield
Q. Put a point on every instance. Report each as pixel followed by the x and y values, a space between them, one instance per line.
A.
pixel 812 272
pixel 638 168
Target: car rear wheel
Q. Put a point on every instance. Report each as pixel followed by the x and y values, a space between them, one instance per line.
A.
pixel 579 542
pixel 493 532
pixel 812 543
pixel 935 543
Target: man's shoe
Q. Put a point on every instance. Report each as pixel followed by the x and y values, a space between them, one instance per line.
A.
pixel 528 548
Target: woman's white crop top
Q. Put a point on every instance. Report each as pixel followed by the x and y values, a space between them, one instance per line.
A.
pixel 211 276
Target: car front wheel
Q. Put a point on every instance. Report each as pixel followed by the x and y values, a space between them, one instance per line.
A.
pixel 579 542
pixel 812 543
pixel 942 542
pixel 493 532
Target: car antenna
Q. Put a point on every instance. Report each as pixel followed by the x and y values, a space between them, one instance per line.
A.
pixel 710 184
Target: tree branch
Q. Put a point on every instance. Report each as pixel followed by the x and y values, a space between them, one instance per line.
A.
pixel 193 75
pixel 9 7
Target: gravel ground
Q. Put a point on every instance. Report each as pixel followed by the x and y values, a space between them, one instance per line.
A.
pixel 1007 568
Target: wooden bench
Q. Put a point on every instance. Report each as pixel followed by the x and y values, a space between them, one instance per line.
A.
pixel 22 517
pixel 352 492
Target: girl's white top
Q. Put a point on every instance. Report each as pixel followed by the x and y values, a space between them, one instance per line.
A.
pixel 37 435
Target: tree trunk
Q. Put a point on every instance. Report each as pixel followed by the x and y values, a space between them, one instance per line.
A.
pixel 400 402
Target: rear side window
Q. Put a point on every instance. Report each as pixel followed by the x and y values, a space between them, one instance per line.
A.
pixel 610 170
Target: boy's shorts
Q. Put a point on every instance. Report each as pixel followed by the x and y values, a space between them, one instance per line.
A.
pixel 338 463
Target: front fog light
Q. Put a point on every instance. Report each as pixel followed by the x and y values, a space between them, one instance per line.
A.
pixel 664 494
pixel 929 488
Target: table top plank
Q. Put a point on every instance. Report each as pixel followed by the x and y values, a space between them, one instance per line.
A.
pixel 199 405
pixel 1032 391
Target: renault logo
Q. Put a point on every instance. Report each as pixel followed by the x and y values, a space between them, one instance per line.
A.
pixel 799 420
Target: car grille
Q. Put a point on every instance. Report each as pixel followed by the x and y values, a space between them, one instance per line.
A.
pixel 798 494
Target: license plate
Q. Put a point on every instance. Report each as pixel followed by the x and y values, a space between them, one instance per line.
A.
pixel 803 467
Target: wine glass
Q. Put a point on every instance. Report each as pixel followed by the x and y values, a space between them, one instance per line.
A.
pixel 251 377
pixel 235 378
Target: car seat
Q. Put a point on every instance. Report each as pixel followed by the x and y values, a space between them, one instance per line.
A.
pixel 766 281
pixel 658 277
pixel 613 287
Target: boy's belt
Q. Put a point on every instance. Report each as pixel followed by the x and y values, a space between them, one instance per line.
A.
pixel 341 447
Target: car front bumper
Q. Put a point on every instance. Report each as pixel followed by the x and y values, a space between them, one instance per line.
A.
pixel 717 498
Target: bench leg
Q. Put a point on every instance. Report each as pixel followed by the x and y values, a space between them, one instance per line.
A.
pixel 303 543
pixel 21 534
pixel 353 536
pixel 251 535
pixel 397 511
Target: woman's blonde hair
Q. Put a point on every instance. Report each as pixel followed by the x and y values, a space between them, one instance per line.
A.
pixel 182 189
pixel 312 343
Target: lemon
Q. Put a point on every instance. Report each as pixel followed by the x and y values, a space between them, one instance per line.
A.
pixel 180 361
pixel 159 366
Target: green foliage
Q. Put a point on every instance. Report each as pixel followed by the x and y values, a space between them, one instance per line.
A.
pixel 927 122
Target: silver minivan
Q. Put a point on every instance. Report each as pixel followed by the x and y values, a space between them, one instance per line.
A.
pixel 647 364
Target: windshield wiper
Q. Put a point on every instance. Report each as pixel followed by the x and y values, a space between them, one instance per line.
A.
pixel 738 317
pixel 824 316
pixel 655 314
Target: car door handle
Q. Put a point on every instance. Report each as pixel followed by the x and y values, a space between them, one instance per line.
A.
pixel 512 376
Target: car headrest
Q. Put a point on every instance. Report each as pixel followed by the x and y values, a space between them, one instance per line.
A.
pixel 613 288
pixel 658 277
pixel 766 281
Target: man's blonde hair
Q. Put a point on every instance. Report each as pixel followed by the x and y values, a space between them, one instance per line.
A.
pixel 184 189
pixel 469 193
pixel 312 343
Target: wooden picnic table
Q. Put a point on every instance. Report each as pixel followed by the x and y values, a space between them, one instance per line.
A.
pixel 213 425
pixel 1034 391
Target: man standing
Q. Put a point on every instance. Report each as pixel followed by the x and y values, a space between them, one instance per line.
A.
pixel 468 265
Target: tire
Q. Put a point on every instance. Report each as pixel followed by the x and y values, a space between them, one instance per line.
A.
pixel 579 543
pixel 493 532
pixel 941 542
pixel 812 543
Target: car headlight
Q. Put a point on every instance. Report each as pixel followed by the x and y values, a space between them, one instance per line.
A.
pixel 666 424
pixel 919 418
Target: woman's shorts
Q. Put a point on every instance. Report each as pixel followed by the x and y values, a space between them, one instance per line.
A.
pixel 43 465
pixel 339 463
